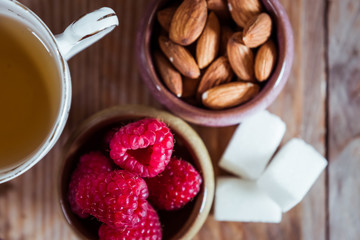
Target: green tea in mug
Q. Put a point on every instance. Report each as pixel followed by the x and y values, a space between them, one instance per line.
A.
pixel 30 92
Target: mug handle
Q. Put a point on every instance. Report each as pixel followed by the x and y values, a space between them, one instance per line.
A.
pixel 86 31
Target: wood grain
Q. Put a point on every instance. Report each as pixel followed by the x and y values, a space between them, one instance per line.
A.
pixel 105 75
pixel 302 106
pixel 344 110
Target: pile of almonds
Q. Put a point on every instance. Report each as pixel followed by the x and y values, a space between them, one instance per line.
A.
pixel 215 53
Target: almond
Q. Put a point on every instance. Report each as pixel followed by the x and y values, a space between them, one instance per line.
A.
pixel 218 72
pixel 220 8
pixel 229 94
pixel 189 87
pixel 188 22
pixel 257 30
pixel 265 60
pixel 180 57
pixel 164 17
pixel 243 10
pixel 226 33
pixel 169 75
pixel 241 57
pixel 207 46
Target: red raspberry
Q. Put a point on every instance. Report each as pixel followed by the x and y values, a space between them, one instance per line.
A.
pixel 175 187
pixel 143 147
pixel 93 162
pixel 148 228
pixel 117 198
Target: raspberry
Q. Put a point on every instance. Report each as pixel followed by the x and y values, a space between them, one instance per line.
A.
pixel 148 228
pixel 143 147
pixel 93 162
pixel 174 187
pixel 117 198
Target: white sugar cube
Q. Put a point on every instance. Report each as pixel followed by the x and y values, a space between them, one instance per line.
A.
pixel 253 144
pixel 291 173
pixel 242 201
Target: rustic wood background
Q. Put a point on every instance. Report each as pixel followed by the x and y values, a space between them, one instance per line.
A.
pixel 320 104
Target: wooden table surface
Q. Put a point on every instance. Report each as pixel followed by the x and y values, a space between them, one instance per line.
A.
pixel 320 103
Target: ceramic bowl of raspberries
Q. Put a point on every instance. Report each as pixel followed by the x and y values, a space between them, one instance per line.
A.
pixel 134 172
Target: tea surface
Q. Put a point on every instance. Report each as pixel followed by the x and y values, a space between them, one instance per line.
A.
pixel 29 92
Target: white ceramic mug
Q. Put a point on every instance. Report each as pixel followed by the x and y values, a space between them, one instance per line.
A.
pixel 78 36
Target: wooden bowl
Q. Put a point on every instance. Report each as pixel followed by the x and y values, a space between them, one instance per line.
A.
pixel 182 224
pixel 202 116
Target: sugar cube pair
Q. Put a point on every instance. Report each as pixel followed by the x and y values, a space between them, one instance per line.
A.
pixel 262 196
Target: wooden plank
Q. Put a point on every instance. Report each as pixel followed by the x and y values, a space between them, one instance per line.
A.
pixel 344 129
pixel 302 106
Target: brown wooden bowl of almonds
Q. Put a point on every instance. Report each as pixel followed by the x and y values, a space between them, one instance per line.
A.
pixel 215 62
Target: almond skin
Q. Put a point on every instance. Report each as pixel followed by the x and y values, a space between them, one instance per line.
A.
pixel 220 8
pixel 164 17
pixel 226 33
pixel 188 22
pixel 243 10
pixel 189 87
pixel 218 72
pixel 169 75
pixel 229 95
pixel 257 31
pixel 180 58
pixel 241 58
pixel 265 60
pixel 207 46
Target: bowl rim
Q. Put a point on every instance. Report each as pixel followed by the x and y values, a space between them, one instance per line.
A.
pixel 225 117
pixel 197 218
